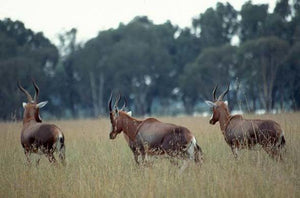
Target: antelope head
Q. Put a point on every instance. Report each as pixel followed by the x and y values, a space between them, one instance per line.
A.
pixel 31 107
pixel 115 118
pixel 217 105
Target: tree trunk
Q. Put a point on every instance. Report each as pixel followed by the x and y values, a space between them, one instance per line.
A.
pixel 149 105
pixel 140 103
pixel 254 104
pixel 101 94
pixel 268 76
pixel 281 102
pixel 72 103
pixel 188 105
pixel 94 94
pixel 97 94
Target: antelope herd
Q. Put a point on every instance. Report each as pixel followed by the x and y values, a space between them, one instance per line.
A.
pixel 150 137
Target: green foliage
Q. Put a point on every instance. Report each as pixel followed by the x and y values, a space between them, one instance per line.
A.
pixel 283 8
pixel 23 55
pixel 158 65
pixel 216 26
pixel 253 20
pixel 213 66
pixel 133 59
pixel 262 58
pixel 288 84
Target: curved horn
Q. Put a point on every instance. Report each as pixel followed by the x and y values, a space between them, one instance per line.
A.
pixel 109 102
pixel 29 98
pixel 224 93
pixel 214 92
pixel 36 95
pixel 117 100
pixel 125 103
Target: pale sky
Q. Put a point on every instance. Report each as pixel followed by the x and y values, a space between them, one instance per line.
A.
pixel 91 16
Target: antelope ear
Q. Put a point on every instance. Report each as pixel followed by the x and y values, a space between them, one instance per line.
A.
pixel 42 104
pixel 129 113
pixel 226 102
pixel 209 103
pixel 24 104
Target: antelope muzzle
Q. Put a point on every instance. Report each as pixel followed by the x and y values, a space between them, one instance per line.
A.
pixel 112 135
pixel 212 121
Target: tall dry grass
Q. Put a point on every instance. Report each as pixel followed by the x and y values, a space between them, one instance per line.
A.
pixel 99 167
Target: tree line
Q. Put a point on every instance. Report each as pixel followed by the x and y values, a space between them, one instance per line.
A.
pixel 160 68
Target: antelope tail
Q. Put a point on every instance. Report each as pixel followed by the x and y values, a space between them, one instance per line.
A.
pixel 282 143
pixel 198 154
pixel 60 146
pixel 195 151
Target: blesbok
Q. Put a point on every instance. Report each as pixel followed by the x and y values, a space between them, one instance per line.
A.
pixel 37 137
pixel 242 133
pixel 153 137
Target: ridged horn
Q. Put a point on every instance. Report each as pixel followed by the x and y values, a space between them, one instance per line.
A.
pixel 117 101
pixel 125 103
pixel 29 98
pixel 224 93
pixel 214 92
pixel 37 90
pixel 109 102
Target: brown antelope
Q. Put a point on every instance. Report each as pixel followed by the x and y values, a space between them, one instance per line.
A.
pixel 153 137
pixel 37 137
pixel 242 133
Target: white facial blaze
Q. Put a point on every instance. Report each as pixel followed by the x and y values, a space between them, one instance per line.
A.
pixel 24 104
pixel 211 104
pixel 115 126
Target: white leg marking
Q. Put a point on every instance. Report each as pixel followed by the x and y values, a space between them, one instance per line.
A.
pixel 183 167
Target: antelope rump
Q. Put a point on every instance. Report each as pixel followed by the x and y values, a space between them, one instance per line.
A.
pixel 152 137
pixel 37 137
pixel 243 133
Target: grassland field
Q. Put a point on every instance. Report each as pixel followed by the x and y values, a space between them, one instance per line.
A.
pixel 100 167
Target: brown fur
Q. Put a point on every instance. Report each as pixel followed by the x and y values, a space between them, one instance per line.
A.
pixel 242 133
pixel 37 137
pixel 152 137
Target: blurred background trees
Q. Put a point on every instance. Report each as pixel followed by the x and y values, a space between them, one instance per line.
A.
pixel 160 68
pixel 23 55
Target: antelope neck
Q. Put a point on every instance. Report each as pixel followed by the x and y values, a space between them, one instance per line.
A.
pixel 29 117
pixel 224 119
pixel 28 120
pixel 129 125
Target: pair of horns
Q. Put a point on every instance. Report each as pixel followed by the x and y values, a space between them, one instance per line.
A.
pixel 29 98
pixel 222 95
pixel 117 102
